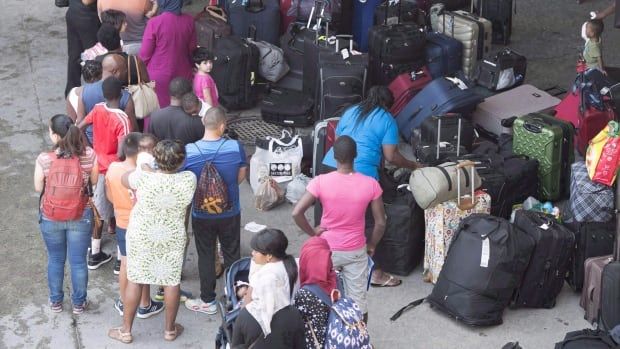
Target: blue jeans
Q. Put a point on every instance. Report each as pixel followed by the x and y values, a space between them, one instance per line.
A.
pixel 64 238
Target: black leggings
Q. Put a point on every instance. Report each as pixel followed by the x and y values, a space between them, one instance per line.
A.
pixel 81 35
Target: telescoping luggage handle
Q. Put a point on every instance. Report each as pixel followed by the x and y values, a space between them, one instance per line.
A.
pixel 458 137
pixel 465 205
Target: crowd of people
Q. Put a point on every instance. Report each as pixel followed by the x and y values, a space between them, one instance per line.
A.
pixel 142 178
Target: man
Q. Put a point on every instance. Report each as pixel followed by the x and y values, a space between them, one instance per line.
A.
pixel 228 158
pixel 137 13
pixel 345 196
pixel 172 122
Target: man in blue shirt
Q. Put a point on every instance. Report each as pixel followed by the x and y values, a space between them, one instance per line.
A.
pixel 228 157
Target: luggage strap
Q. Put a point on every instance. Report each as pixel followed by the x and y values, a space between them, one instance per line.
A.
pixel 447 175
pixel 407 307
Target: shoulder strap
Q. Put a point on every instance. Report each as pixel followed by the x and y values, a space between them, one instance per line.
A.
pixel 317 291
pixel 407 307
pixel 216 151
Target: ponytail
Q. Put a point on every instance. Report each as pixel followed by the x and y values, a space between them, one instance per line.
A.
pixel 291 269
pixel 71 142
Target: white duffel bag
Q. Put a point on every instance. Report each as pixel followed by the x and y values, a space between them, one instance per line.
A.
pixel 279 159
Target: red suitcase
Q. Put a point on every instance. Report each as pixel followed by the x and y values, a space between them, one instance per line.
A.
pixel 405 86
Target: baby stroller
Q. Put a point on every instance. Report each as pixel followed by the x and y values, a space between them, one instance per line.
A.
pixel 229 304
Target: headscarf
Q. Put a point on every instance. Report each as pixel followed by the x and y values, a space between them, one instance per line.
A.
pixel 315 264
pixel 173 6
pixel 270 292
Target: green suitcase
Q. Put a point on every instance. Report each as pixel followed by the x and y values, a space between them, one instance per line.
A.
pixel 550 141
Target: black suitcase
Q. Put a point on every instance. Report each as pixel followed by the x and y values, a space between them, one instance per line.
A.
pixel 484 265
pixel 499 12
pixel 504 71
pixel 610 282
pixel 452 5
pixel 402 246
pixel 292 43
pixel 587 339
pixel 404 11
pixel 449 132
pixel 264 15
pixel 287 107
pixel 235 68
pixel 544 277
pixel 394 49
pixel 593 239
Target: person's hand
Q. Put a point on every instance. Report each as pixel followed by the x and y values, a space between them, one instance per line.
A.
pixel 370 249
pixel 598 15
pixel 604 72
pixel 319 230
pixel 418 166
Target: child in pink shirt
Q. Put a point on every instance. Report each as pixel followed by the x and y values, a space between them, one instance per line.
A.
pixel 204 85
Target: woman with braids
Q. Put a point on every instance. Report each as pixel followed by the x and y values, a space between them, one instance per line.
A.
pixel 156 238
pixel 268 320
pixel 66 220
pixel 375 132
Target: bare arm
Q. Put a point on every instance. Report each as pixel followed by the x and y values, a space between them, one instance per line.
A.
pixel 606 12
pixel 206 92
pixel 242 175
pixel 299 214
pixel 393 156
pixel 39 178
pixel 94 173
pixel 81 111
pixel 131 114
pixel 88 2
pixel 378 213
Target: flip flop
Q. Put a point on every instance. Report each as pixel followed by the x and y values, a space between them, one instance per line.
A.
pixel 117 334
pixel 172 335
pixel 387 282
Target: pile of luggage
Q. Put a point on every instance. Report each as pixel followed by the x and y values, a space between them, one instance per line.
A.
pixel 484 155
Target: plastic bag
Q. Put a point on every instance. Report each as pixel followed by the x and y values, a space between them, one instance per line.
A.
pixel 608 163
pixel 296 188
pixel 595 148
pixel 279 159
pixel 268 194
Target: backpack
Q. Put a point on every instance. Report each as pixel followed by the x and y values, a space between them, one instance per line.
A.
pixel 211 195
pixel 64 196
pixel 345 326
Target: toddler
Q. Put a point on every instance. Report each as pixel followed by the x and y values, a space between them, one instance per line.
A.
pixel 204 85
pixel 592 52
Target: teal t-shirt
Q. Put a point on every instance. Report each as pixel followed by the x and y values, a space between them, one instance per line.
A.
pixel 377 129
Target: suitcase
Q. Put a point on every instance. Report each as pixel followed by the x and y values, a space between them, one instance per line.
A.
pixel 402 246
pixel 340 81
pixel 473 32
pixel 544 276
pixel 503 71
pixel 363 19
pixel 234 71
pixel 550 141
pixel 589 201
pixel 211 24
pixel 287 108
pixel 405 86
pixel 587 339
pixel 499 12
pixel 451 128
pixel 521 100
pixel 408 11
pixel 444 55
pixel 271 63
pixel 592 240
pixel 610 283
pixel 393 50
pixel 441 96
pixel 484 265
pixel 264 15
pixel 442 221
pixel 452 5
pixel 591 293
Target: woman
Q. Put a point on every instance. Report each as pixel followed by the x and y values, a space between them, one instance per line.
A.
pixel 317 279
pixel 268 320
pixel 66 237
pixel 155 238
pixel 375 132
pixel 91 72
pixel 167 45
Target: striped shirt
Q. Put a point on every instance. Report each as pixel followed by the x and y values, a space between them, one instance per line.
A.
pixel 110 125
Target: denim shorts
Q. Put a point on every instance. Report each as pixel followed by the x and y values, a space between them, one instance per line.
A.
pixel 120 240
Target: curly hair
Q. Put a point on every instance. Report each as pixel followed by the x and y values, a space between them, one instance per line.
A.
pixel 169 155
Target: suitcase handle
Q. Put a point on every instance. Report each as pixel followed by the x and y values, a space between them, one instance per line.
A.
pixel 471 203
pixel 255 8
pixel 534 128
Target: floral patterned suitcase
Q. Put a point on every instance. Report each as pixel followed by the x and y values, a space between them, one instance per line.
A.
pixel 442 221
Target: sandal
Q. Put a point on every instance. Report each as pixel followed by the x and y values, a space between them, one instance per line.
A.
pixel 390 282
pixel 117 334
pixel 172 335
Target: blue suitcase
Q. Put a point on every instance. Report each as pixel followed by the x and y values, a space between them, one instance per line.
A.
pixel 444 55
pixel 363 20
pixel 439 97
pixel 263 15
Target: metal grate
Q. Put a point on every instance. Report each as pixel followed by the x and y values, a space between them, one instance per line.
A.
pixel 247 129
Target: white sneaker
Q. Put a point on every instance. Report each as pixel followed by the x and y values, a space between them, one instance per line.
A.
pixel 198 305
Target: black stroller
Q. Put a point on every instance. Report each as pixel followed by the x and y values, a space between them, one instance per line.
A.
pixel 229 304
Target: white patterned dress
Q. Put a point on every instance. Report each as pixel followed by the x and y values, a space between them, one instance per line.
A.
pixel 156 234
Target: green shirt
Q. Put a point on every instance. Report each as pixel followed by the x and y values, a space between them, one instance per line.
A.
pixel 592 53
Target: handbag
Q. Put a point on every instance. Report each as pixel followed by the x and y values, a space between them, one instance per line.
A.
pixel 61 3
pixel 143 93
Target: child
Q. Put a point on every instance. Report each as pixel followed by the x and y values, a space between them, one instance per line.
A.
pixel 119 195
pixel 204 85
pixel 109 40
pixel 110 125
pixel 592 52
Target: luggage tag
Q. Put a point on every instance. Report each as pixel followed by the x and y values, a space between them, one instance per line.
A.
pixel 486 253
pixel 458 82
